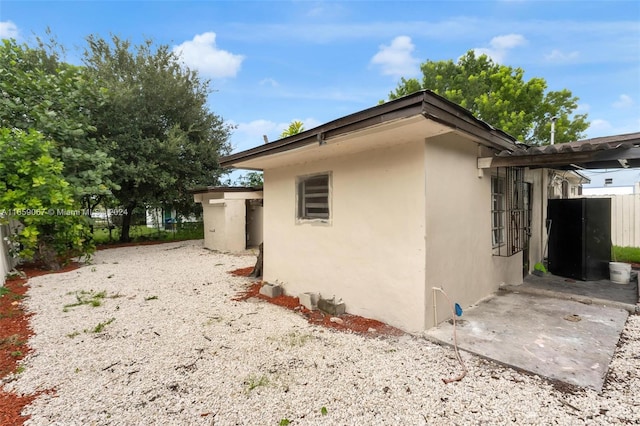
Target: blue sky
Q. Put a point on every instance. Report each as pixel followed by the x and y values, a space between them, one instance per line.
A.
pixel 272 62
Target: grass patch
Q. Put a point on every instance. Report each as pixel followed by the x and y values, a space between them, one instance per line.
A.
pixel 100 327
pixel 293 339
pixel 253 382
pixel 626 254
pixel 3 291
pixel 13 340
pixel 139 233
pixel 84 297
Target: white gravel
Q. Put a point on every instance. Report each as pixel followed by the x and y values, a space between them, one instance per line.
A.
pixel 192 356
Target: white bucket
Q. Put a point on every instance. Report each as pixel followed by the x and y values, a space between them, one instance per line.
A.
pixel 619 272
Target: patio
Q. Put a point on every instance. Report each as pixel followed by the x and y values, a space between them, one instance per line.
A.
pixel 550 326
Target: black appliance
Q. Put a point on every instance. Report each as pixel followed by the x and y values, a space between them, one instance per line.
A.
pixel 579 238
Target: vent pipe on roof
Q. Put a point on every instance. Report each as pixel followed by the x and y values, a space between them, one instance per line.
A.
pixel 553 129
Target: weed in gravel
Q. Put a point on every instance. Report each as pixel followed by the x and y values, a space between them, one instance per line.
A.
pixel 3 291
pixel 16 354
pixel 294 339
pixel 253 382
pixel 20 369
pixel 74 334
pixel 84 297
pixel 285 422
pixel 13 340
pixel 151 298
pixel 100 327
pixel 324 411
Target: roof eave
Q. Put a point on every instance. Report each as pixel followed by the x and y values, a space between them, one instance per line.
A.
pixel 425 103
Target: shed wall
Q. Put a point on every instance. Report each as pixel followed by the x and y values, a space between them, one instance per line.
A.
pixel 371 254
pixel 459 256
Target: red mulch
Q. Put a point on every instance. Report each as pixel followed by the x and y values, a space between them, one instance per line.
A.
pixel 350 323
pixel 242 272
pixel 14 334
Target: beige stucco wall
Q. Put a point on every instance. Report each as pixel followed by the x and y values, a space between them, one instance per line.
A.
pixel 404 219
pixel 225 219
pixel 459 257
pixel 371 255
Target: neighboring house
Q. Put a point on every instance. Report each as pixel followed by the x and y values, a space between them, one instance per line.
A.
pixel 566 184
pixel 161 218
pixel 232 217
pixel 379 207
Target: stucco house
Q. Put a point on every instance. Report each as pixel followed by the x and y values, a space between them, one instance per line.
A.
pixel 379 207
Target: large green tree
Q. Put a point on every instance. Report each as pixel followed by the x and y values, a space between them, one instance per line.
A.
pixel 156 124
pixel 500 95
pixel 39 91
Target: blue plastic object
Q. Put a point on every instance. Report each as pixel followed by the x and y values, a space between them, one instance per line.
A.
pixel 458 310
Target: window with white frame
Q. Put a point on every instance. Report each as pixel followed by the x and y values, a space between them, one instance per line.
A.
pixel 313 194
pixel 497 210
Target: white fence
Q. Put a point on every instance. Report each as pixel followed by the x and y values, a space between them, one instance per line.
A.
pixel 625 219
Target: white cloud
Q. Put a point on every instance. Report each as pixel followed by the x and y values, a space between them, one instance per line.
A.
pixel 583 108
pixel 500 45
pixel 8 29
pixel 396 59
pixel 202 54
pixel 508 41
pixel 269 82
pixel 249 135
pixel 624 101
pixel 559 56
pixel 599 125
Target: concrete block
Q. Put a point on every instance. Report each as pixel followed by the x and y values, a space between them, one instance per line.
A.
pixel 271 290
pixel 309 300
pixel 331 307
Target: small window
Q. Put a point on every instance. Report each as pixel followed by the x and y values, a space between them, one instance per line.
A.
pixel 313 197
pixel 497 210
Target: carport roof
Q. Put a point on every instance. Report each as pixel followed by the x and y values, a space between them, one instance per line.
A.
pixel 610 152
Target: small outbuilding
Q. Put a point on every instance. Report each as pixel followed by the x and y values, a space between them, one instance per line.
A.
pixel 232 217
pixel 385 207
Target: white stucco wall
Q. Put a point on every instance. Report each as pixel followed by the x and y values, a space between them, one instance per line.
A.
pixel 459 257
pixel 225 220
pixel 372 253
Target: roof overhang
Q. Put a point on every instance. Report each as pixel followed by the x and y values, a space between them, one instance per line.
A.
pixel 221 189
pixel 419 115
pixel 610 152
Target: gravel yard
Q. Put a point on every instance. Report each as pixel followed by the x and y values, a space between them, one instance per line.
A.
pixel 168 346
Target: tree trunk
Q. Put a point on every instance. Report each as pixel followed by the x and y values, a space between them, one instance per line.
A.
pixel 126 225
pixel 257 270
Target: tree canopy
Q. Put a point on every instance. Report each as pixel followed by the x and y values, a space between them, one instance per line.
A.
pixel 500 95
pixel 40 92
pixel 155 123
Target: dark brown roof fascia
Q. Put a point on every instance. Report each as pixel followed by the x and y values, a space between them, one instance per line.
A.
pixel 424 103
pixel 208 189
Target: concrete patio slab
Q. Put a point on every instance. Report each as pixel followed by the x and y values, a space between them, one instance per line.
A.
pixel 554 338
